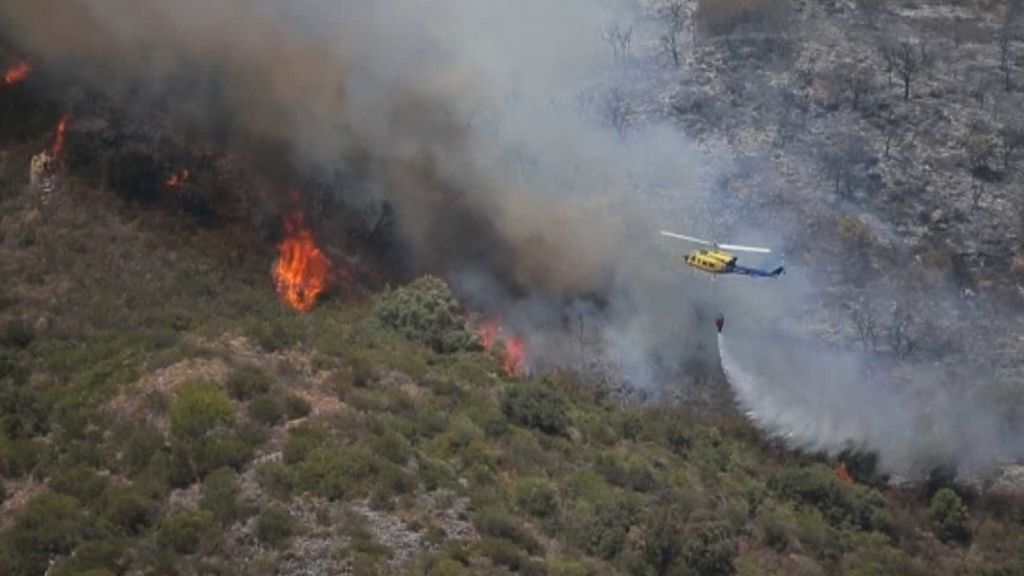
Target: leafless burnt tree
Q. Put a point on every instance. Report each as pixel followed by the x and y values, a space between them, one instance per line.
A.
pixel 620 39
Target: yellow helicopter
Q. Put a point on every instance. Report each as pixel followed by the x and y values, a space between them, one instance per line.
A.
pixel 718 260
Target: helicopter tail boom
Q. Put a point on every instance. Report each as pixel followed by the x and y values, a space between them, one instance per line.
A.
pixel 759 273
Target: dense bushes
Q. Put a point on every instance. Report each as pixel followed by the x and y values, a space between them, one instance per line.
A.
pixel 535 406
pixel 841 504
pixel 248 382
pixel 200 408
pixel 50 525
pixel 537 497
pixel 426 311
pixel 949 516
pixel 274 526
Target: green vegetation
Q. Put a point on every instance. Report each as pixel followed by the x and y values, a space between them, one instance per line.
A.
pixel 426 311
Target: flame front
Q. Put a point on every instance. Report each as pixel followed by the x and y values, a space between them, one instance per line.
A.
pixel 17 73
pixel 178 179
pixel 843 474
pixel 58 140
pixel 515 349
pixel 302 270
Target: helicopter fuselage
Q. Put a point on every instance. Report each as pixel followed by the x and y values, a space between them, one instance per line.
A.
pixel 722 262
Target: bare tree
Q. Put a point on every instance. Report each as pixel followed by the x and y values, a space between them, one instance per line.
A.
pixel 892 121
pixel 670 44
pixel 843 160
pixel 889 57
pixel 979 148
pixel 903 333
pixel 620 39
pixel 1012 140
pixel 959 27
pixel 979 83
pixel 907 60
pixel 676 15
pixel 1007 35
pixel 868 323
pixel 618 110
pixel 855 81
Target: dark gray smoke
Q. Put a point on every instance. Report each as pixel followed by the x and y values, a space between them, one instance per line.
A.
pixel 496 130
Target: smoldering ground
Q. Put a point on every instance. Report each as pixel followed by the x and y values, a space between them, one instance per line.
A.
pixel 467 117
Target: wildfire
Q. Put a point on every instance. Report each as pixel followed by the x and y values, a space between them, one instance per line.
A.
pixel 178 179
pixel 17 73
pixel 515 349
pixel 58 140
pixel 843 474
pixel 302 270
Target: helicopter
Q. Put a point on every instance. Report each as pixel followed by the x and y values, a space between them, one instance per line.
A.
pixel 718 260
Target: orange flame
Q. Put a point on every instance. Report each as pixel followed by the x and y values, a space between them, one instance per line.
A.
pixel 302 269
pixel 58 140
pixel 843 474
pixel 17 73
pixel 515 348
pixel 178 179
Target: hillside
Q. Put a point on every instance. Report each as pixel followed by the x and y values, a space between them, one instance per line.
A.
pixel 164 413
pixel 280 303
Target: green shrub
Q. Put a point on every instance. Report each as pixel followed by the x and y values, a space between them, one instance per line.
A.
pixel 23 411
pixel 140 441
pixel 949 515
pixel 447 567
pixel 94 558
pixel 503 553
pixel 534 406
pixel 709 548
pixel 81 483
pixel 248 382
pixel 17 334
pixel 603 532
pixel 185 532
pixel 840 503
pixel 537 497
pixel 500 524
pixel 632 472
pixel 276 479
pixel 274 526
pixel 220 496
pixel 391 446
pixel 51 525
pixel 200 408
pixel 426 311
pixel 267 409
pixel 296 406
pixel 129 510
pixel 301 441
pixel 337 471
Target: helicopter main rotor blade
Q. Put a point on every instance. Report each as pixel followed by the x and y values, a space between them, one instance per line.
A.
pixel 744 248
pixel 687 238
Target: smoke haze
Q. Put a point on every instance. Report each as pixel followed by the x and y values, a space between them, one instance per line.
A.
pixel 485 124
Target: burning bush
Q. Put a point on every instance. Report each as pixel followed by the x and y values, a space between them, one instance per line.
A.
pixel 302 271
pixel 426 311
